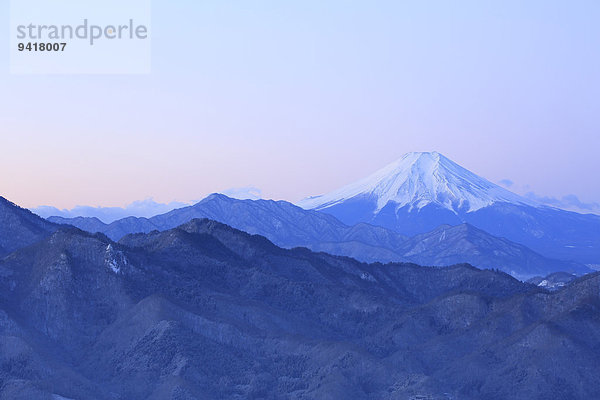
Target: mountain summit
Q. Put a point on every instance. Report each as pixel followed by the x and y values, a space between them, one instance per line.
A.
pixel 417 180
pixel 20 227
pixel 422 191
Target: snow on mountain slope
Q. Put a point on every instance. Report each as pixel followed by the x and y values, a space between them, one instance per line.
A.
pixel 420 179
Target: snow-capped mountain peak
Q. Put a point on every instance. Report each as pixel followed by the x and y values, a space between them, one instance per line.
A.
pixel 419 179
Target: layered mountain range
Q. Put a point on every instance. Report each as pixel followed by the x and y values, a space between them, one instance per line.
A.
pixel 180 306
pixel 204 311
pixel 392 216
pixel 290 226
pixel 422 191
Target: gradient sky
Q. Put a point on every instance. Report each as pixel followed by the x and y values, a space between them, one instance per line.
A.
pixel 300 97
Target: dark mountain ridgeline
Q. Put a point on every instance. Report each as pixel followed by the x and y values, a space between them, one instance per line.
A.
pixel 290 226
pixel 20 227
pixel 283 223
pixel 206 311
pixel 448 245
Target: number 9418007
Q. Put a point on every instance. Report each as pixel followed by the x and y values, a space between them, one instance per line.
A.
pixel 42 46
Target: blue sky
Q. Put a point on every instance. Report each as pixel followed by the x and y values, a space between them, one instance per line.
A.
pixel 301 97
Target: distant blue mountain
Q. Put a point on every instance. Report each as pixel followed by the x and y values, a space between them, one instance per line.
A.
pixel 447 245
pixel 282 222
pixel 421 191
pixel 290 226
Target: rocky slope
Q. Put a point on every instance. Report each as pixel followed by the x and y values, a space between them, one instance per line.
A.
pixel 553 281
pixel 20 227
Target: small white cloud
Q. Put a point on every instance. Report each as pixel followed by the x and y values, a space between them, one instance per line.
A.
pixel 141 208
pixel 569 202
pixel 243 193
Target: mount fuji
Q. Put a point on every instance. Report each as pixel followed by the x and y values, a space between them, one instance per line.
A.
pixel 417 180
pixel 422 191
